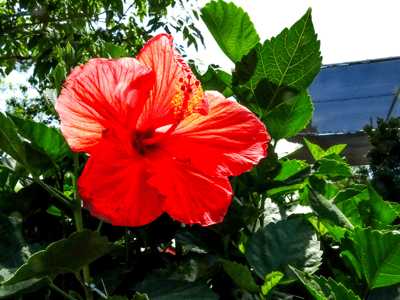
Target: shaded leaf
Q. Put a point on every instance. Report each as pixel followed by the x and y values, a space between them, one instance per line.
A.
pixel 231 28
pixel 195 267
pixel 323 289
pixel 23 287
pixel 241 275
pixel 138 296
pixel 158 286
pixel 194 239
pixel 279 244
pixel 64 256
pixel 326 210
pixel 118 297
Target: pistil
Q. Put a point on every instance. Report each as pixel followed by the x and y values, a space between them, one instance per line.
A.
pixel 188 95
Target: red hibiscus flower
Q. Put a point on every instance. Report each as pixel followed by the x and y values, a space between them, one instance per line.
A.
pixel 157 142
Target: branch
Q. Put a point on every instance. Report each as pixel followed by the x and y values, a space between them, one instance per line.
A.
pixel 17 57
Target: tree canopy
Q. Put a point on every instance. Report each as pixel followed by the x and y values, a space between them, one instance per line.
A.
pixel 55 36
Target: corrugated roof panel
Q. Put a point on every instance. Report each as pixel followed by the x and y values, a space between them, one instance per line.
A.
pixel 345 97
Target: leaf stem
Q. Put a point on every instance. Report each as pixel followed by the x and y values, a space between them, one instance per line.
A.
pixel 56 288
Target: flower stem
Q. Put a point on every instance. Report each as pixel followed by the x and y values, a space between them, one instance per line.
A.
pixel 54 192
pixel 77 210
pixel 126 246
pixel 56 288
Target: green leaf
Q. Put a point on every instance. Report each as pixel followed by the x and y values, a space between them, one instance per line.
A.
pixel 271 280
pixel 289 117
pixel 379 254
pixel 290 168
pixel 58 75
pixel 326 189
pixel 214 80
pixel 241 275
pixel 316 151
pixel 32 159
pixel 159 287
pixel 237 217
pixel 294 57
pixel 195 267
pixel 41 135
pixel 275 246
pixel 23 287
pixel 323 289
pixel 14 251
pixel 10 142
pixel 283 190
pixel 54 211
pixel 231 28
pixel 350 208
pixel 336 149
pixel 382 213
pixel 333 168
pixel 194 239
pixel 138 296
pixel 326 210
pixel 64 256
pixel 118 297
pixel 115 51
pixel 281 68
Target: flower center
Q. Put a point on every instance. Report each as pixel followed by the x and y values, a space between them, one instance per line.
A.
pixel 186 102
pixel 189 95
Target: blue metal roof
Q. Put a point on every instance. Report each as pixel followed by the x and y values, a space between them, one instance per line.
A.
pixel 346 96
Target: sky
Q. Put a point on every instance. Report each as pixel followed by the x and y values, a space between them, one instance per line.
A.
pixel 349 30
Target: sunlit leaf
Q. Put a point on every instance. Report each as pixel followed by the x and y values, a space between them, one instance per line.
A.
pixel 271 280
pixel 231 28
pixel 280 68
pixel 379 254
pixel 50 140
pixel 289 117
pixel 32 159
pixel 382 213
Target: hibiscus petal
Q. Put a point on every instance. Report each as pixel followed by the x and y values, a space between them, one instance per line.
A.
pixel 228 141
pixel 113 184
pixel 191 196
pixel 99 95
pixel 160 55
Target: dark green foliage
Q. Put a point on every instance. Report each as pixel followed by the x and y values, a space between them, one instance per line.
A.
pixel 288 219
pixel 384 159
